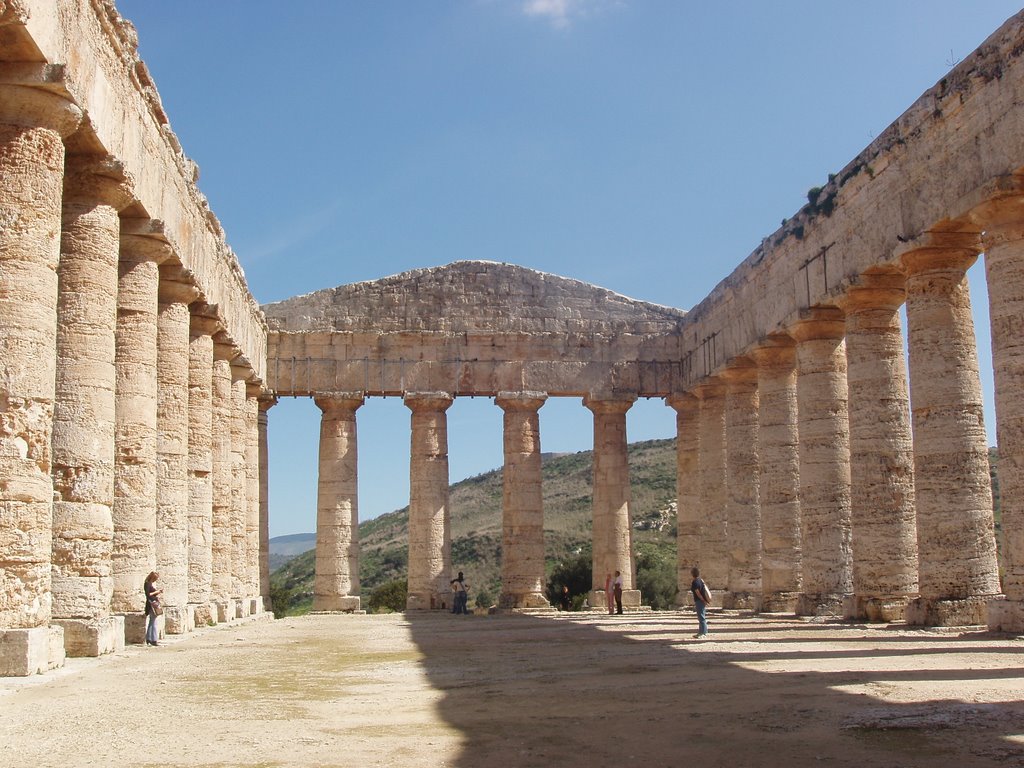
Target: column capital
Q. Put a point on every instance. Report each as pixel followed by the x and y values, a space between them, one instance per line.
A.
pixel 940 251
pixel 331 402
pixel 37 107
pixel 253 389
pixel 740 372
pixel 97 179
pixel 137 246
pixel 176 286
pixel 266 401
pixel 683 402
pixel 520 401
pixel 709 388
pixel 428 401
pixel 818 323
pixel 12 12
pixel 608 402
pixel 240 371
pixel 874 290
pixel 1001 218
pixel 223 349
pixel 775 351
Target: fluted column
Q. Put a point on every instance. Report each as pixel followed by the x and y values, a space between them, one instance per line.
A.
pixel 95 189
pixel 239 496
pixel 824 462
pixel 429 533
pixel 1003 222
pixel 252 497
pixel 135 441
pixel 32 124
pixel 221 585
pixel 955 526
pixel 713 558
pixel 688 512
pixel 522 551
pixel 882 514
pixel 778 455
pixel 203 325
pixel 266 402
pixel 743 513
pixel 336 583
pixel 612 530
pixel 173 323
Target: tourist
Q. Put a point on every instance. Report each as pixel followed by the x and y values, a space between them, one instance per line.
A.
pixel 152 606
pixel 609 594
pixel 460 594
pixel 617 589
pixel 565 599
pixel 701 600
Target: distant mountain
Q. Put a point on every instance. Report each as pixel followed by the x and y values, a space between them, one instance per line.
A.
pixel 284 548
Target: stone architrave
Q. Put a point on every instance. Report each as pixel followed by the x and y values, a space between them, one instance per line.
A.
pixel 95 189
pixel 612 530
pixel 429 530
pixel 522 560
pixel 778 454
pixel 824 462
pixel 252 497
pixel 172 491
pixel 743 513
pixel 687 409
pixel 713 557
pixel 1003 223
pixel 882 513
pixel 239 496
pixel 266 402
pixel 336 583
pixel 32 124
pixel 204 324
pixel 143 249
pixel 958 572
pixel 221 584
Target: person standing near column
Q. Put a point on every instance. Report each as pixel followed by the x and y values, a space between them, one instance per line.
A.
pixel 701 601
pixel 617 587
pixel 152 606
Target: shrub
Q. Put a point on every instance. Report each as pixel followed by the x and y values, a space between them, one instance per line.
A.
pixel 389 597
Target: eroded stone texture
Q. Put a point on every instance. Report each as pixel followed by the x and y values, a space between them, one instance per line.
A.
pixel 222 476
pixel 266 402
pixel 32 123
pixel 252 491
pixel 713 559
pixel 612 530
pixel 743 514
pixel 522 561
pixel 955 525
pixel 172 493
pixel 882 515
pixel 688 516
pixel 135 426
pixel 239 494
pixel 824 462
pixel 95 189
pixel 429 530
pixel 202 327
pixel 336 584
pixel 778 454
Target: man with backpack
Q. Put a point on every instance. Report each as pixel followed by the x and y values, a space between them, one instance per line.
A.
pixel 701 601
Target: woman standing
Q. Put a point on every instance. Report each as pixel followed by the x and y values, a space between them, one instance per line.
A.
pixel 609 594
pixel 152 606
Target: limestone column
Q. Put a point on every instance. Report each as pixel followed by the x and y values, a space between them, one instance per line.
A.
pixel 266 402
pixel 882 514
pixel 713 558
pixel 135 420
pixel 522 553
pixel 1004 267
pixel 95 189
pixel 429 532
pixel 203 325
pixel 613 525
pixel 172 519
pixel 252 497
pixel 336 584
pixel 239 496
pixel 221 585
pixel 778 454
pixel 32 124
pixel 957 565
pixel 688 512
pixel 743 514
pixel 824 462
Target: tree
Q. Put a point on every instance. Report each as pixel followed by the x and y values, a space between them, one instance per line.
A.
pixel 575 573
pixel 389 597
pixel 656 576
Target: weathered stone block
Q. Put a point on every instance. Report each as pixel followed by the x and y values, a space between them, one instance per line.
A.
pixel 241 608
pixel 56 647
pixel 972 611
pixel 24 652
pixel 178 620
pixel 255 606
pixel 134 628
pixel 225 610
pixel 204 614
pixel 1006 615
pixel 92 637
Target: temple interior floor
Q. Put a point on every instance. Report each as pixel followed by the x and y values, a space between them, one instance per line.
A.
pixel 571 690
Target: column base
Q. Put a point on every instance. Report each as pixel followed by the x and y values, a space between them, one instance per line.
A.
pixel 820 605
pixel 225 610
pixel 630 601
pixel 780 602
pixel 135 628
pixel 203 614
pixel 241 607
pixel 337 603
pixel 92 637
pixel 876 610
pixel 940 612
pixel 525 600
pixel 25 652
pixel 741 601
pixel 420 602
pixel 179 619
pixel 255 606
pixel 1006 615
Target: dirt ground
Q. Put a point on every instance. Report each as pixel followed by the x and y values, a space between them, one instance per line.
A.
pixel 569 690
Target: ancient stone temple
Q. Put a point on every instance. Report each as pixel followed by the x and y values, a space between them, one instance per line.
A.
pixel 821 471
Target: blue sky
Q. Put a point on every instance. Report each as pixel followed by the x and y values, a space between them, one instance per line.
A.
pixel 646 146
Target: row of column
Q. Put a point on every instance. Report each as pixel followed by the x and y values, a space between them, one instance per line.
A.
pixel 129 443
pixel 430 567
pixel 825 486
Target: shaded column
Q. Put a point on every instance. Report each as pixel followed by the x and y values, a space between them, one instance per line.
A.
pixel 823 424
pixel 743 514
pixel 522 549
pixel 1003 222
pixel 32 124
pixel 203 325
pixel 688 516
pixel 955 526
pixel 778 456
pixel 266 402
pixel 172 519
pixel 221 585
pixel 713 558
pixel 95 189
pixel 429 531
pixel 612 530
pixel 336 583
pixel 252 497
pixel 882 515
pixel 135 442
pixel 239 495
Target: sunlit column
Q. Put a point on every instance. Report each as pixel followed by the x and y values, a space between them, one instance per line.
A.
pixel 713 557
pixel 266 402
pixel 687 409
